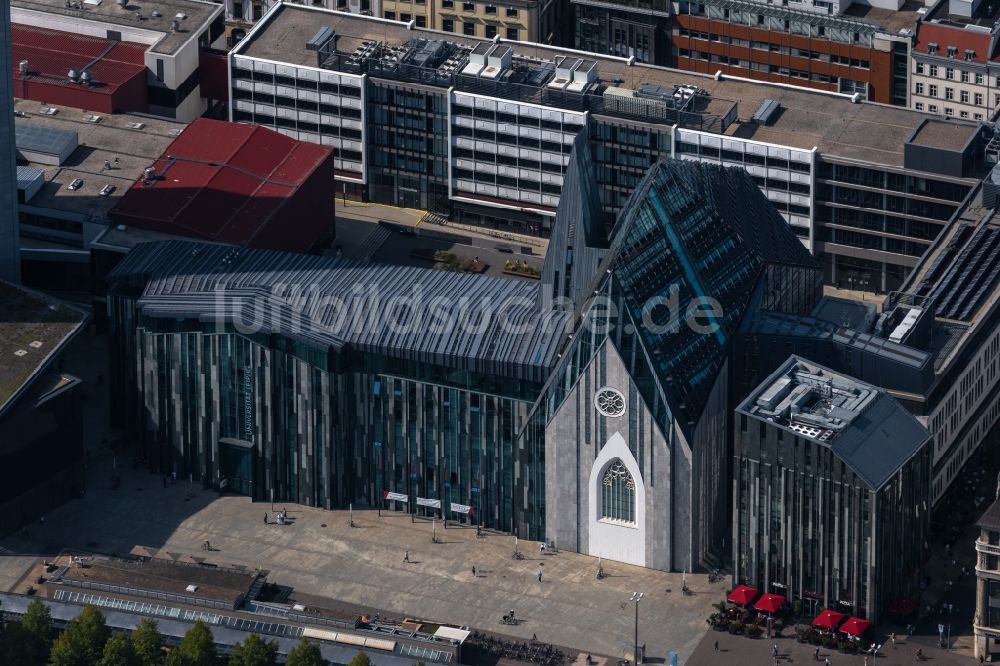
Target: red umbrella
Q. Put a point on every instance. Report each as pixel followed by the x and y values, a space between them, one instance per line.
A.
pixel 770 603
pixel 742 595
pixel 855 626
pixel 828 619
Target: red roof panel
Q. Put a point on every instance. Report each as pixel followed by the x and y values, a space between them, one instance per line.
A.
pixel 222 181
pixel 52 53
pixel 949 35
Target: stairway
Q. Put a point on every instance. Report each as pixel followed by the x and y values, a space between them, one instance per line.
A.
pixel 371 244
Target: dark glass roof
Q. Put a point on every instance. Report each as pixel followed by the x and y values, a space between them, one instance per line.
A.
pixel 695 236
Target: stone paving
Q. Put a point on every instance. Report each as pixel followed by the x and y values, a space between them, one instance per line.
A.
pixel 319 554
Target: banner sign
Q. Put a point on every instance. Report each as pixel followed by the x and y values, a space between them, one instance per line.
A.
pixel 433 503
pixel 399 497
pixel 462 508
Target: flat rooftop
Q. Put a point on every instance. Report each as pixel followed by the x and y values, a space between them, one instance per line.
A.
pixel 111 140
pixel 163 40
pixel 890 20
pixel 163 573
pixel 32 328
pixel 985 16
pixel 862 424
pixel 831 123
pixel 943 134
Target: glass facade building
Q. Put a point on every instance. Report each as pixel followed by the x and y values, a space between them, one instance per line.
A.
pixel 832 482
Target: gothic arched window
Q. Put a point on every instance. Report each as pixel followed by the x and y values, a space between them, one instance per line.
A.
pixel 618 494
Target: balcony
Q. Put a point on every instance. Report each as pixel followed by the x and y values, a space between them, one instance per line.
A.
pixel 988 548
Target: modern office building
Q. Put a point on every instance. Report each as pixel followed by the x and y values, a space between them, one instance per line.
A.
pixel 831 491
pixel 986 620
pixel 360 379
pixel 954 68
pixel 482 130
pixel 10 255
pixel 840 47
pixel 41 407
pixel 169 39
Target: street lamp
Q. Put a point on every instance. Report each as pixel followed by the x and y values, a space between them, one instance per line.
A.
pixel 636 598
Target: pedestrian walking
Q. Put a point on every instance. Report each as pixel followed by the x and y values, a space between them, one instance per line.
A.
pixel 774 650
pixel 866 660
pixel 827 661
pixel 473 570
pixel 539 575
pixel 816 654
pixel 892 637
pixel 265 517
pixel 541 549
pixel 716 646
pixel 406 556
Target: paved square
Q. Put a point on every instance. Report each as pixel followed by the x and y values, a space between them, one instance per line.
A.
pixel 319 554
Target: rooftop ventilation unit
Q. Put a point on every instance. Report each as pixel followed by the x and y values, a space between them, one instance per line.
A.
pixel 155 14
pixel 766 112
pixel 86 77
pixel 93 119
pixel 136 126
pixel 175 132
pixel 48 111
pixel 180 16
pixel 107 190
pixel 319 40
pixel 175 25
pixel 73 75
pixel 75 185
pixel 23 67
pixel 123 4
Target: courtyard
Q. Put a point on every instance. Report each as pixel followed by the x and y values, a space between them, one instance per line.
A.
pixel 320 556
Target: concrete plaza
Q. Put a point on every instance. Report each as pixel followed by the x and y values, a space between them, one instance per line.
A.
pixel 320 555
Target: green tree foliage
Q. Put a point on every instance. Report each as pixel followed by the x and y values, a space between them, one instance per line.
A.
pixel 38 621
pixel 82 644
pixel 148 643
pixel 254 651
pixel 360 659
pixel 20 646
pixel 305 654
pixel 119 651
pixel 196 648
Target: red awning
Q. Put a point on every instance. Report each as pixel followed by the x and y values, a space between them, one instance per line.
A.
pixel 855 626
pixel 828 619
pixel 770 603
pixel 743 595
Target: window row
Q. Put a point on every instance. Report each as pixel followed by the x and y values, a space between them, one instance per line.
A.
pixel 490 10
pixel 344 90
pixel 507 160
pixel 509 139
pixel 469 29
pixel 525 121
pixel 507 181
pixel 776 48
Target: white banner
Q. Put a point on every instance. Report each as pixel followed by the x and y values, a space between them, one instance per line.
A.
pixel 433 503
pixel 399 497
pixel 461 508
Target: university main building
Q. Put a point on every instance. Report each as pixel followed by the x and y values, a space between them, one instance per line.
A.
pixel 594 408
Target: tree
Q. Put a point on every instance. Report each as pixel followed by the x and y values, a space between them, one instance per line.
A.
pixel 254 651
pixel 360 659
pixel 148 643
pixel 119 651
pixel 82 644
pixel 305 654
pixel 196 648
pixel 38 621
pixel 20 646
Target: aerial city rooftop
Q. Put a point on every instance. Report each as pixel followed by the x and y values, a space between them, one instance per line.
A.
pixel 688 287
